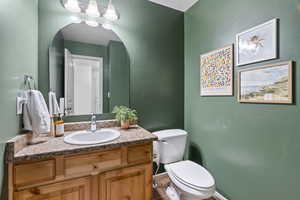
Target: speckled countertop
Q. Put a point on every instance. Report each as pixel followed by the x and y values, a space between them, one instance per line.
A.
pixel 57 146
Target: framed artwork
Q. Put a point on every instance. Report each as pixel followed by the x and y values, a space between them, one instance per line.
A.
pixel 216 72
pixel 266 84
pixel 257 44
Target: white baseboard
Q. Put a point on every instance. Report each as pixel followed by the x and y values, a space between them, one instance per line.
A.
pixel 218 196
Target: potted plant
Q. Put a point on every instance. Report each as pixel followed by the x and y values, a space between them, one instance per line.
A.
pixel 125 116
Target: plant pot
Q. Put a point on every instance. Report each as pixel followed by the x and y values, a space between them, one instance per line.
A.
pixel 133 122
pixel 125 124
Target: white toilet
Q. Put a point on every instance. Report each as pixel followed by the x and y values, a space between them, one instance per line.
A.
pixel 190 180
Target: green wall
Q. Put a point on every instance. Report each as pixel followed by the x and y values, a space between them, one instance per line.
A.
pixel 155 46
pixel 85 49
pixel 57 63
pixel 18 56
pixel 251 149
pixel 119 67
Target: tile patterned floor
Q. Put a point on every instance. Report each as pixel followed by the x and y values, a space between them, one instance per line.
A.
pixel 163 182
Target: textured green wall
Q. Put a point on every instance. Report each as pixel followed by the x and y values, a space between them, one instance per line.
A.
pixel 251 149
pixel 155 46
pixel 18 56
pixel 119 67
pixel 85 49
pixel 57 63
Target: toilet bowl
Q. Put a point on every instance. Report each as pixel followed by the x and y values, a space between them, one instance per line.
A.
pixel 190 180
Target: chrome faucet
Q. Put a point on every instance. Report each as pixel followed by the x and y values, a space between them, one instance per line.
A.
pixel 93 123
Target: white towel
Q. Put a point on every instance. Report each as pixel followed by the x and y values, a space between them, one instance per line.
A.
pixel 53 105
pixel 36 116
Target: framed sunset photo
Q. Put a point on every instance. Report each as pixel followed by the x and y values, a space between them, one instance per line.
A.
pixel 266 84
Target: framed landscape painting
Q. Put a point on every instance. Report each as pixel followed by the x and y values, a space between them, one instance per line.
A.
pixel 257 44
pixel 216 72
pixel 266 84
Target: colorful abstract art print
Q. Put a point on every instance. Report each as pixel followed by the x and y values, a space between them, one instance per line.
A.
pixel 216 72
pixel 257 44
pixel 266 84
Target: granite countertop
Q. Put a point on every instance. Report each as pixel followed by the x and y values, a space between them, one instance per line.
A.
pixel 56 146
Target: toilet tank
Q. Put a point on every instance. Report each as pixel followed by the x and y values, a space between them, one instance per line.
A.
pixel 171 145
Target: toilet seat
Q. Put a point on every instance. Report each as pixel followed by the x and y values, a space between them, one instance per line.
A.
pixel 179 174
pixel 188 185
pixel 192 175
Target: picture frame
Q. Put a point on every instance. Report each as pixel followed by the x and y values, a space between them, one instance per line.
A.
pixel 216 72
pixel 271 83
pixel 257 44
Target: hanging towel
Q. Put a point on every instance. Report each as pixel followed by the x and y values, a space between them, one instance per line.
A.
pixel 36 116
pixel 53 105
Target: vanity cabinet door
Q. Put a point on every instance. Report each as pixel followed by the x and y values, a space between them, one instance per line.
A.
pixel 134 183
pixel 76 189
pixel 34 173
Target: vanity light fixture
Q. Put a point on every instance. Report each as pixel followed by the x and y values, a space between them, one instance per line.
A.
pixel 92 9
pixel 72 5
pixel 107 26
pixel 92 23
pixel 76 19
pixel 111 13
pixel 91 13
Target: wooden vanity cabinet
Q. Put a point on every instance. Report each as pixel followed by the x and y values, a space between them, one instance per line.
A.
pixel 123 173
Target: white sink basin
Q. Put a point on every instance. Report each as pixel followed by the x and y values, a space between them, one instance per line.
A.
pixel 88 137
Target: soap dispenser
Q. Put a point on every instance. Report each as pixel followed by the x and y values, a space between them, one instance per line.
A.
pixel 59 126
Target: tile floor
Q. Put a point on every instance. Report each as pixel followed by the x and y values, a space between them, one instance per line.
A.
pixel 163 182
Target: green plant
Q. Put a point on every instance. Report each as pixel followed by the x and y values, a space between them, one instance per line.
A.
pixel 124 114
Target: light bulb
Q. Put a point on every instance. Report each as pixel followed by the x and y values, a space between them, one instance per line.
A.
pixel 72 5
pixel 107 26
pixel 111 13
pixel 92 9
pixel 76 19
pixel 92 23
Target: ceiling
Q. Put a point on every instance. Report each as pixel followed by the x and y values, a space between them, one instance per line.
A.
pixel 87 34
pixel 181 5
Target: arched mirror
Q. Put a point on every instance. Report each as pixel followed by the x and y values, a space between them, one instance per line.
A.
pixel 89 69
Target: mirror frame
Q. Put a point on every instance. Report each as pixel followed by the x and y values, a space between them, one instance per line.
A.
pixel 87 117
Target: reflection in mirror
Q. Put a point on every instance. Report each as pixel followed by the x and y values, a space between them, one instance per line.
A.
pixel 89 69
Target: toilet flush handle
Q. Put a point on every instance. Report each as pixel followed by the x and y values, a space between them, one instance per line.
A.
pixel 163 141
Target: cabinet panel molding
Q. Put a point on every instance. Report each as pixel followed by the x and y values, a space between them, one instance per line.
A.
pixel 134 183
pixel 33 173
pixel 77 189
pixel 139 154
pixel 92 163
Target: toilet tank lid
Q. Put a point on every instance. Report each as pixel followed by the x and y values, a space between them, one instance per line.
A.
pixel 169 133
